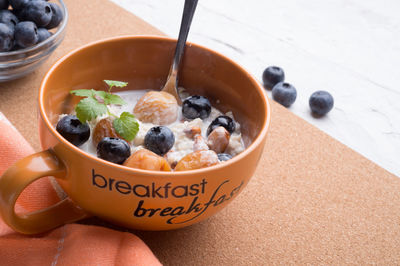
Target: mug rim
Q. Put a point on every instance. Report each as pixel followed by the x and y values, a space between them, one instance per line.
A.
pixel 254 144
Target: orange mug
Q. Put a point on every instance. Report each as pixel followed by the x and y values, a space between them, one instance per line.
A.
pixel 134 198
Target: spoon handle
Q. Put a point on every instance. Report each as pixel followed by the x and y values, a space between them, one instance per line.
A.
pixel 188 12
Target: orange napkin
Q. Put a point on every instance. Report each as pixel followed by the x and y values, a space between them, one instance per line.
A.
pixel 71 244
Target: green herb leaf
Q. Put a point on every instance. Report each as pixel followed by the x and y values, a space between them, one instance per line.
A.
pixel 89 108
pixel 113 99
pixel 83 93
pixel 114 83
pixel 126 126
pixel 101 94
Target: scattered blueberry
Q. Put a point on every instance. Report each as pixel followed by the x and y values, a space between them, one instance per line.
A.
pixel 7 17
pixel 272 75
pixel 224 157
pixel 43 34
pixel 321 102
pixel 222 121
pixel 73 130
pixel 56 17
pixel 18 4
pixel 159 139
pixel 284 93
pixel 114 150
pixel 6 38
pixel 4 4
pixel 196 107
pixel 38 12
pixel 26 34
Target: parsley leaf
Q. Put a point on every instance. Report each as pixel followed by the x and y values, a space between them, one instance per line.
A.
pixel 126 126
pixel 114 83
pixel 89 108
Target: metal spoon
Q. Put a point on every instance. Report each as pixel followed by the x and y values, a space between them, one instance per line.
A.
pixel 171 84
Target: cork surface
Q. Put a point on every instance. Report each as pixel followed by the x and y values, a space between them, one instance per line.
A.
pixel 311 201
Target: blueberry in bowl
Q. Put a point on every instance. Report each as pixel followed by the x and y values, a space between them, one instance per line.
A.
pixel 159 140
pixel 114 150
pixel 29 32
pixel 222 121
pixel 196 107
pixel 73 130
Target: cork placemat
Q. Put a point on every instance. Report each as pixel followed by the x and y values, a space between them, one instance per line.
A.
pixel 312 200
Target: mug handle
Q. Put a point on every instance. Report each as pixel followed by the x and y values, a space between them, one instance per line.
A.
pixel 18 177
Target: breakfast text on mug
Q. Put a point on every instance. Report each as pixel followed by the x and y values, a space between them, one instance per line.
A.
pixel 165 191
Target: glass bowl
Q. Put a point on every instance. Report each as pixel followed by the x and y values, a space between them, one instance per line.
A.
pixel 19 63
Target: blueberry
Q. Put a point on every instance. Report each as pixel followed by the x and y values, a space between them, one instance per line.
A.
pixel 73 130
pixel 272 75
pixel 114 150
pixel 18 4
pixel 224 157
pixel 26 34
pixel 56 17
pixel 16 47
pixel 7 17
pixel 196 107
pixel 159 139
pixel 38 12
pixel 321 102
pixel 6 38
pixel 284 93
pixel 43 34
pixel 4 4
pixel 222 121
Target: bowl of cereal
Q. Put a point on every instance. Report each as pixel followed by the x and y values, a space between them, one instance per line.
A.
pixel 30 31
pixel 124 151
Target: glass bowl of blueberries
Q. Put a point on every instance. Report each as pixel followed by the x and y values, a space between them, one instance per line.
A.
pixel 30 30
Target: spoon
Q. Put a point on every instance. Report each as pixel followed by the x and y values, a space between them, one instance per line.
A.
pixel 172 80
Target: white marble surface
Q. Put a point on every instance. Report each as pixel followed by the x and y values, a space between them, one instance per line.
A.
pixel 349 47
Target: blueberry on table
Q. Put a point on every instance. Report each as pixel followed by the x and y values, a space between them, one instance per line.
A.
pixel 224 157
pixel 4 4
pixel 18 4
pixel 7 17
pixel 159 140
pixel 56 17
pixel 43 34
pixel 38 12
pixel 222 121
pixel 321 102
pixel 26 34
pixel 284 93
pixel 196 107
pixel 6 38
pixel 272 75
pixel 73 130
pixel 114 150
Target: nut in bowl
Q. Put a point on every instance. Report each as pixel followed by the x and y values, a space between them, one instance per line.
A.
pixel 126 195
pixel 27 42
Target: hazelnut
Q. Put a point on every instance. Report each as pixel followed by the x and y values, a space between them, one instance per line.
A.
pixel 157 107
pixel 199 143
pixel 197 160
pixel 147 160
pixel 218 139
